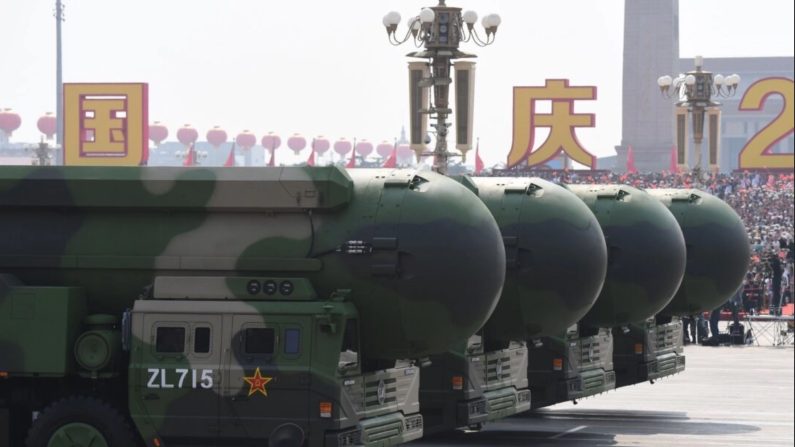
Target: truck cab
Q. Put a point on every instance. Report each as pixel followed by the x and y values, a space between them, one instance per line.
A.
pixel 197 361
pixel 576 365
pixel 648 351
pixel 278 365
pixel 469 385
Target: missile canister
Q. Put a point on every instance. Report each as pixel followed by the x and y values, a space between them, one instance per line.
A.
pixel 645 254
pixel 556 257
pixel 418 254
pixel 718 251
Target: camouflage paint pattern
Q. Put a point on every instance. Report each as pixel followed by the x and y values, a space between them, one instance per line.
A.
pixel 718 251
pixel 556 261
pixel 556 257
pixel 645 254
pixel 421 255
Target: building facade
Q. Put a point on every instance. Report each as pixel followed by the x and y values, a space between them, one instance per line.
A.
pixel 651 49
pixel 738 127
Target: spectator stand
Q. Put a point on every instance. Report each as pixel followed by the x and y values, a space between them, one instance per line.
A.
pixel 778 329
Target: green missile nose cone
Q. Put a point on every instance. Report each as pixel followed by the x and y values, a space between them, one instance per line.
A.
pixel 556 257
pixel 718 251
pixel 645 252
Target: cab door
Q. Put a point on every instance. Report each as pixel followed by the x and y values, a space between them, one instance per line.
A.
pixel 266 376
pixel 179 374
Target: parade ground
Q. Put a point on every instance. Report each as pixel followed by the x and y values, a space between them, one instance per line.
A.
pixel 738 396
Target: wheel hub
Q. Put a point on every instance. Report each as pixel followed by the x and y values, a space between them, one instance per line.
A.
pixel 77 434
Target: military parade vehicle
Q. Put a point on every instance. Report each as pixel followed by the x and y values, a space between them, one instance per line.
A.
pixel 645 265
pixel 210 306
pixel 548 233
pixel 718 254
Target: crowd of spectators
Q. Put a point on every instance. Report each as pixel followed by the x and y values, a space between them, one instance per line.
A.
pixel 764 201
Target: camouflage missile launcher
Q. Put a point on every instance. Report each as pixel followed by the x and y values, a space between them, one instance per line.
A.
pixel 556 260
pixel 717 259
pixel 646 261
pixel 217 306
pixel 556 257
pixel 645 252
pixel 718 252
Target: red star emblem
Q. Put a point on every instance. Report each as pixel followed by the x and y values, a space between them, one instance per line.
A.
pixel 257 383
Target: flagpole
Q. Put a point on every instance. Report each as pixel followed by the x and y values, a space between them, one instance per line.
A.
pixel 59 157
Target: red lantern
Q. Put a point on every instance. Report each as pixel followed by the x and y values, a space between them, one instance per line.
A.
pixel 9 121
pixel 246 140
pixel 321 145
pixel 47 125
pixel 364 148
pixel 384 149
pixel 342 146
pixel 296 143
pixel 271 141
pixel 216 137
pixel 187 135
pixel 158 132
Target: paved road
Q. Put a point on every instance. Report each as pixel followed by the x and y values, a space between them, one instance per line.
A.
pixel 727 396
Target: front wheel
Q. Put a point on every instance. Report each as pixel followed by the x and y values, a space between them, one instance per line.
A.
pixel 80 422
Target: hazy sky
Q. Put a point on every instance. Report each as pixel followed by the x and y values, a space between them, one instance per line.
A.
pixel 323 67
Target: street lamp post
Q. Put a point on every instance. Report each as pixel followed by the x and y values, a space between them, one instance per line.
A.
pixel 440 30
pixel 694 92
pixel 42 154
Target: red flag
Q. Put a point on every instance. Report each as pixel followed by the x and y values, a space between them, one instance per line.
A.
pixel 230 160
pixel 190 156
pixel 272 161
pixel 391 161
pixel 631 161
pixel 311 160
pixel 674 165
pixel 352 161
pixel 478 161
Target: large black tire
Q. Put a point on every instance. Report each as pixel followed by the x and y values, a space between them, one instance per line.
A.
pixel 104 418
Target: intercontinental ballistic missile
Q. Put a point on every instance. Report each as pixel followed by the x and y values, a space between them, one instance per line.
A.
pixel 288 304
pixel 646 254
pixel 556 257
pixel 420 255
pixel 556 261
pixel 718 251
pixel 717 259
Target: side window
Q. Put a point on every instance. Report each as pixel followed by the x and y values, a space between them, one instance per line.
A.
pixel 201 340
pixel 349 353
pixel 259 341
pixel 170 340
pixel 292 341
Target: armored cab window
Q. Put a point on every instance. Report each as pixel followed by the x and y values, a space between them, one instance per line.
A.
pixel 170 340
pixel 292 341
pixel 201 340
pixel 349 354
pixel 260 340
